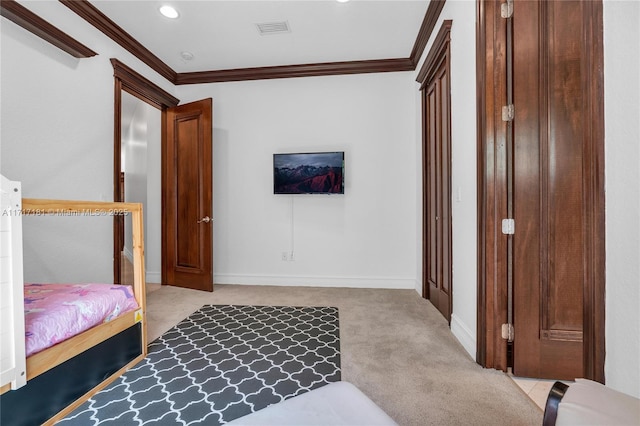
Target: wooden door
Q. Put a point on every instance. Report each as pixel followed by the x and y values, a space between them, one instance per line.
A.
pixel 187 196
pixel 544 169
pixel 555 163
pixel 437 174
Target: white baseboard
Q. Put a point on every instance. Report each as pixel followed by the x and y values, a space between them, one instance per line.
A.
pixel 464 335
pixel 316 281
pixel 153 277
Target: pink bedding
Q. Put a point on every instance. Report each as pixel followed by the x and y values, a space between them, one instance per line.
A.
pixel 55 312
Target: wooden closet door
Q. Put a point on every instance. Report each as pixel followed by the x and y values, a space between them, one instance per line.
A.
pixel 437 184
pixel 556 183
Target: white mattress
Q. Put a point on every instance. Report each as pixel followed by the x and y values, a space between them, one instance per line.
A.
pixel 338 403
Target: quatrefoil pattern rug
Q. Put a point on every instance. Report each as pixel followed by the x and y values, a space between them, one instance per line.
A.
pixel 221 363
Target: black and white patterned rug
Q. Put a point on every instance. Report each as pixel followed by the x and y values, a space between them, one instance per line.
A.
pixel 221 363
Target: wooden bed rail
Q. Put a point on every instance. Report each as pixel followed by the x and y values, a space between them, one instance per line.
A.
pixel 41 207
pixel 37 206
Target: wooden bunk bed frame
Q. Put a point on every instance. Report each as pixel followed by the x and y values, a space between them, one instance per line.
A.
pixel 48 359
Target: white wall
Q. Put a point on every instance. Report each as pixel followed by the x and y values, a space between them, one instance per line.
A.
pixel 463 169
pixel 622 187
pixel 57 139
pixel 364 238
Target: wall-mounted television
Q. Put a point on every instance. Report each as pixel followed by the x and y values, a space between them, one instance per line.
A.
pixel 308 173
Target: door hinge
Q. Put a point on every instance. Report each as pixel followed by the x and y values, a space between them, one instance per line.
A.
pixel 507 332
pixel 508 112
pixel 508 226
pixel 506 9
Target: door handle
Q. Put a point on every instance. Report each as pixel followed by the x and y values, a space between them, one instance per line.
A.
pixel 205 219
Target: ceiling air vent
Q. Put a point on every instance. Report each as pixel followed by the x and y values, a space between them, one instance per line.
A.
pixel 273 28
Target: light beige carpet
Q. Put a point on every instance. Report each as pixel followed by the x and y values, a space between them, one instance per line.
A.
pixel 395 347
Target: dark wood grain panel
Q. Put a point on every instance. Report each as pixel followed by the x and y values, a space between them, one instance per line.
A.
pixel 31 22
pixel 492 194
pixel 431 187
pixel 554 185
pixel 559 193
pixel 499 209
pixel 187 165
pixel 483 324
pixel 118 184
pixel 594 214
pixel 562 335
pixel 187 186
pixel 445 185
pixel 529 251
pixel 561 168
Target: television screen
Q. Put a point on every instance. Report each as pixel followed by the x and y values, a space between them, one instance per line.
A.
pixel 308 173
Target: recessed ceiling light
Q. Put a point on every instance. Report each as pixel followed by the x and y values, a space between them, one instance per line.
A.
pixel 342 1
pixel 169 12
pixel 187 56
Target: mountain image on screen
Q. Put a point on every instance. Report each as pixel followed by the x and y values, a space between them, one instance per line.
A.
pixel 308 173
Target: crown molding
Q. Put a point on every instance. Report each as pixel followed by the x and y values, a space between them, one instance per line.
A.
pixel 31 22
pixel 302 70
pixel 426 29
pixel 442 39
pixel 141 86
pixel 99 20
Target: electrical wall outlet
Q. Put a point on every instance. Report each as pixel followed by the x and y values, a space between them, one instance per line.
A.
pixel 287 256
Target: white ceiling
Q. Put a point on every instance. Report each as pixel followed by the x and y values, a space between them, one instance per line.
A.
pixel 223 34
